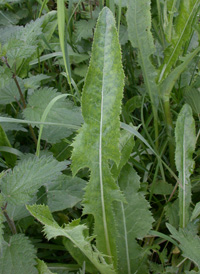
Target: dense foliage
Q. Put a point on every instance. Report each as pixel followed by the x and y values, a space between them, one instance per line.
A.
pixel 99 136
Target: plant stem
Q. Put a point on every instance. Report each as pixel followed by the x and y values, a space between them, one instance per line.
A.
pixel 10 222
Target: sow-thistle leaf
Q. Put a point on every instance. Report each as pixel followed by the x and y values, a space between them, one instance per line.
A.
pixel 18 256
pixel 181 34
pixel 185 146
pixel 98 139
pixel 189 244
pixel 139 29
pixel 74 232
pixel 134 220
pixel 196 211
pixel 19 186
pixel 62 112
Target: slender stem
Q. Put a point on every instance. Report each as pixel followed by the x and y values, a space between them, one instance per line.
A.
pixel 169 123
pixel 10 222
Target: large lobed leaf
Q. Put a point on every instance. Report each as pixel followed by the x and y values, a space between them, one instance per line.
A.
pixel 98 139
pixel 18 256
pixel 19 186
pixel 74 232
pixel 189 243
pixel 185 146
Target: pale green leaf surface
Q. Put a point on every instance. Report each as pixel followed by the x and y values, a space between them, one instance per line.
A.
pixel 19 185
pixel 34 81
pixel 185 146
pixel 139 30
pixel 189 244
pixel 62 112
pixel 11 126
pixel 134 220
pixel 65 192
pixel 1 222
pixel 98 139
pixel 18 256
pixel 74 232
pixel 182 31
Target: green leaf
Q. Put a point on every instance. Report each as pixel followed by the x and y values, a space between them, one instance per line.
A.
pixel 74 232
pixel 98 139
pixel 42 268
pixel 139 29
pixel 65 192
pixel 192 97
pixel 34 81
pixel 83 29
pixel 18 256
pixel 185 146
pixel 1 221
pixel 62 112
pixel 19 185
pixel 189 244
pixel 182 31
pixel 134 220
pixel 10 158
pixel 196 211
pixel 10 93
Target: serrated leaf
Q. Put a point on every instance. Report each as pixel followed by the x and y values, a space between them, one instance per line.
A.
pixel 34 81
pixel 74 232
pixel 189 244
pixel 182 31
pixel 185 146
pixel 19 185
pixel 83 29
pixel 139 30
pixel 18 256
pixel 98 139
pixel 65 192
pixel 134 220
pixel 62 112
pixel 10 93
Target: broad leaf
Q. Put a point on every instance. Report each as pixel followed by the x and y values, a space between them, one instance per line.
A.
pixel 65 192
pixel 62 112
pixel 43 268
pixel 182 31
pixel 134 220
pixel 74 232
pixel 98 139
pixel 19 185
pixel 185 145
pixel 18 256
pixel 189 243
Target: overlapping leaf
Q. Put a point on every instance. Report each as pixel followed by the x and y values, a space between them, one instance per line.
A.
pixel 62 112
pixel 18 256
pixel 19 186
pixel 74 232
